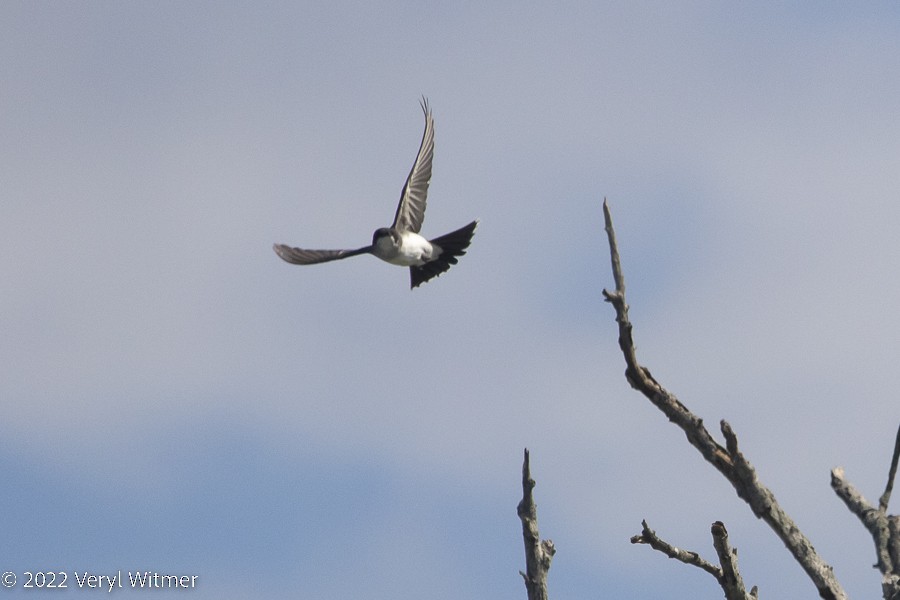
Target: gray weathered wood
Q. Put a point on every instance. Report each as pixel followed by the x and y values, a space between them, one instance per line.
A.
pixel 727 459
pixel 538 553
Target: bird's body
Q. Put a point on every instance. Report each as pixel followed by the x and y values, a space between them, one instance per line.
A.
pixel 401 244
pixel 406 249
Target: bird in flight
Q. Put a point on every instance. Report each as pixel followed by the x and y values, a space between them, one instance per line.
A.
pixel 400 244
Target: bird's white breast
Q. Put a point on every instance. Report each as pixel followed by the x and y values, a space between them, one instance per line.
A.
pixel 414 250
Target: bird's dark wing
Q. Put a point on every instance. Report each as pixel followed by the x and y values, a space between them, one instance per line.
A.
pixel 411 210
pixel 299 256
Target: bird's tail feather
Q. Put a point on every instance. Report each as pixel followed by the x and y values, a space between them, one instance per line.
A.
pixel 452 245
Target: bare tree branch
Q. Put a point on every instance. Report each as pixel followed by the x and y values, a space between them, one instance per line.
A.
pixel 884 528
pixel 886 496
pixel 728 576
pixel 893 579
pixel 538 553
pixel 731 581
pixel 875 521
pixel 727 460
pixel 649 537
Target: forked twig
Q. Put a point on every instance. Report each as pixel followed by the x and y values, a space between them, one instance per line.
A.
pixel 884 528
pixel 727 575
pixel 688 557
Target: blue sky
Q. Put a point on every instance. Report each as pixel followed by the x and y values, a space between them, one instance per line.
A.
pixel 176 398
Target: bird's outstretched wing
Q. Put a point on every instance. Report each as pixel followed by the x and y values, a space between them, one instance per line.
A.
pixel 299 256
pixel 411 210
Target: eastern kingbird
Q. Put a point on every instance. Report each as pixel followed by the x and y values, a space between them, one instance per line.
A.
pixel 400 244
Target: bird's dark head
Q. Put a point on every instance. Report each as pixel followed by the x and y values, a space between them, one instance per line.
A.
pixel 383 232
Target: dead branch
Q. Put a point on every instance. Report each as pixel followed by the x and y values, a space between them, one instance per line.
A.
pixel 727 575
pixel 875 521
pixel 688 557
pixel 731 581
pixel 892 472
pixel 538 553
pixel 884 528
pixel 727 460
